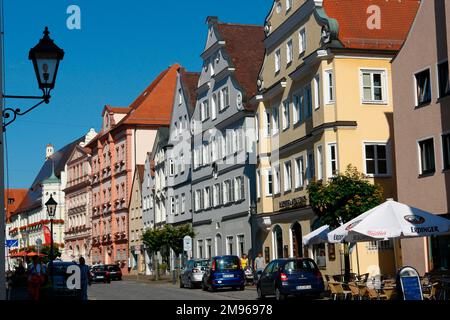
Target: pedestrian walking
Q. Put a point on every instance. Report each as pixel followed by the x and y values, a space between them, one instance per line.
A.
pixel 258 265
pixel 36 278
pixel 85 278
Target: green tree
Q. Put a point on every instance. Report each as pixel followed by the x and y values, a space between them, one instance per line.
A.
pixel 153 239
pixel 343 198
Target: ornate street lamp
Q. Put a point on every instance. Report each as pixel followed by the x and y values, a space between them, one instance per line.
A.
pixel 51 205
pixel 45 56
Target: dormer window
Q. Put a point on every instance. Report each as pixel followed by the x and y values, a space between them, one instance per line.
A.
pixel 180 97
pixel 279 6
pixel 288 5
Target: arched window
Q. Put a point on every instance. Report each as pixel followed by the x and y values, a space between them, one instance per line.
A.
pixel 277 242
pixel 297 245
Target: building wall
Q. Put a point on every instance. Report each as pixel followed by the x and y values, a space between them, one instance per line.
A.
pixel 136 229
pixel 427 192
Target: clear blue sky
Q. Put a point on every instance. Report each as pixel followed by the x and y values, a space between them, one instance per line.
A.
pixel 121 47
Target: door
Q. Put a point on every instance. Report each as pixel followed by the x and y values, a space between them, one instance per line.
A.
pixel 274 275
pixel 297 240
pixel 264 281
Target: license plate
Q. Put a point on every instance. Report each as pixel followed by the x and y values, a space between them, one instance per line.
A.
pixel 99 277
pixel 303 287
pixel 228 276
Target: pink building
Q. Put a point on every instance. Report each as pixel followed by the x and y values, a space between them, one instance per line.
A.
pixel 127 134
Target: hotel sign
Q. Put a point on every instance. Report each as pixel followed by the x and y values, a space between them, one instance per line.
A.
pixel 299 202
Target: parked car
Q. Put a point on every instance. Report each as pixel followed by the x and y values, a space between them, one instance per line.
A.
pixel 56 286
pixel 115 273
pixel 224 271
pixel 192 274
pixel 295 276
pixel 100 273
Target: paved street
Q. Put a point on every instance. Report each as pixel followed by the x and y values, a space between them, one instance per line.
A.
pixel 132 290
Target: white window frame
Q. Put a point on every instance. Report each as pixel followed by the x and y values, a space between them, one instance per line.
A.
pixel 206 198
pixel 299 172
pixel 330 92
pixel 277 60
pixel 289 52
pixel 275 122
pixel 183 203
pixel 330 160
pixel 388 158
pixel 317 100
pixel 267 124
pixel 287 176
pixel 171 167
pixel 384 85
pixel 258 184
pixel 257 126
pixel 286 114
pixel 319 157
pixel 276 179
pixel 415 86
pixel 214 106
pixel 419 154
pixel 267 175
pixel 302 40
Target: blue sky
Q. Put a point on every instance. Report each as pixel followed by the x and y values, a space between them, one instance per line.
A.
pixel 121 47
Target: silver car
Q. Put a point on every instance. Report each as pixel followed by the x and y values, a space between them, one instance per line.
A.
pixel 192 274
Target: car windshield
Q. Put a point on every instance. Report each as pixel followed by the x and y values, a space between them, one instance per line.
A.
pixel 113 268
pixel 99 268
pixel 202 263
pixel 299 265
pixel 227 263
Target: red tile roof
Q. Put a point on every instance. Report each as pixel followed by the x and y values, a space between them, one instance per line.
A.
pixel 189 81
pixel 154 105
pixel 245 45
pixel 397 17
pixel 17 196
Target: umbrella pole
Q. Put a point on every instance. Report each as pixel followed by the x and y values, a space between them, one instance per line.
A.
pixel 357 258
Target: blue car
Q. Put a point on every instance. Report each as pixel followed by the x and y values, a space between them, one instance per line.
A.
pixel 295 276
pixel 224 272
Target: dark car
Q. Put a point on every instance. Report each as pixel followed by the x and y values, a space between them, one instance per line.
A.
pixel 100 273
pixel 224 271
pixel 115 273
pixel 296 276
pixel 56 286
pixel 192 274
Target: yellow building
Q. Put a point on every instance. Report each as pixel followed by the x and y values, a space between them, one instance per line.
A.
pixel 325 101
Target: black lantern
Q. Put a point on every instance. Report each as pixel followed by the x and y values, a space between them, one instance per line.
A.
pixel 46 57
pixel 51 207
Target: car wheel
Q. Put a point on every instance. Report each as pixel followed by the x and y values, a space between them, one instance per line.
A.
pixel 259 293
pixel 278 295
pixel 204 287
pixel 242 288
pixel 189 283
pixel 181 283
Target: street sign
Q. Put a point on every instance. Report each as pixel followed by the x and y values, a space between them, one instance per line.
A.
pixel 12 243
pixel 187 243
pixel 38 242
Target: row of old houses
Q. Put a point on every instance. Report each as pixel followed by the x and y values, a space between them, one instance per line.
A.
pixel 231 149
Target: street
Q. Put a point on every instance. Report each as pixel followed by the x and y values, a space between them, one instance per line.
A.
pixel 133 290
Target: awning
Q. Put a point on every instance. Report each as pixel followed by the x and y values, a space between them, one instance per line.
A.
pixel 317 236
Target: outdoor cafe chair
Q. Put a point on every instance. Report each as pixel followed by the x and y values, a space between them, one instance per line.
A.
pixel 338 291
pixel 356 293
pixel 432 294
pixel 374 295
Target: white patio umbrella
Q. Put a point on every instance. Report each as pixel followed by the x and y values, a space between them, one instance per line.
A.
pixel 390 220
pixel 317 236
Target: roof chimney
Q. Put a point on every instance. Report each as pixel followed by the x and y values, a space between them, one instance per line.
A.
pixel 49 150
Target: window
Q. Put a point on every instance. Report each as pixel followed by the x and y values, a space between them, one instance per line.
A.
pixel 171 167
pixel 376 159
pixel 216 195
pixel 275 120
pixel 297 107
pixel 257 126
pixel 172 205
pixel 310 170
pixel 230 245
pixel 423 87
pixel 226 190
pixel 307 102
pixel 267 124
pixel 289 52
pixel 214 106
pixel 276 173
pixel 286 115
pixel 205 110
pixel 200 249
pixel 316 83
pixel 277 60
pixel 444 84
pixel 197 200
pixel 446 150
pixel 241 244
pixel 206 198
pixel 319 163
pixel 287 176
pixel 302 40
pixel 180 97
pixel 239 189
pixel 427 164
pixel 258 184
pixel 269 183
pixel 332 160
pixel 288 5
pixel 183 203
pixel 299 172
pixel 208 253
pixel 373 85
pixel 329 85
pixel 177 205
pixel 224 99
